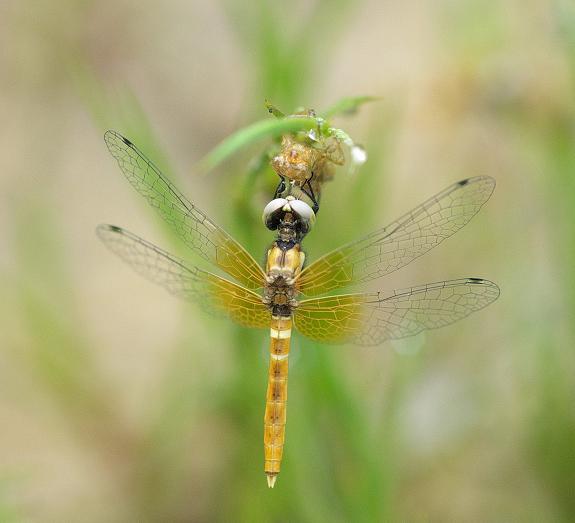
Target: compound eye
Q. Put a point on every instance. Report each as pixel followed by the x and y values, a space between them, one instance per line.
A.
pixel 304 213
pixel 273 212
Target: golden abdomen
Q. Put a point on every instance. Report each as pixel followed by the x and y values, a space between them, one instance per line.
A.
pixel 276 397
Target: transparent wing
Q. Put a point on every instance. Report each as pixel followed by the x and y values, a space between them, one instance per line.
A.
pixel 371 318
pixel 396 245
pixel 216 295
pixel 192 225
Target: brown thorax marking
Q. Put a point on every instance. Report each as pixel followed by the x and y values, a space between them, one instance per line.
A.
pixel 285 260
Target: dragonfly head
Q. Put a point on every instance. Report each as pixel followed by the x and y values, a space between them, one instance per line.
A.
pixel 282 214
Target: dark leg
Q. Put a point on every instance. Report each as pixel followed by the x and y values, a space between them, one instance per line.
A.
pixel 311 194
pixel 280 188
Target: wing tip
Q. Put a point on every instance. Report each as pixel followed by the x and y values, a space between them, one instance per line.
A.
pixel 103 231
pixel 113 228
pixel 480 281
pixel 483 178
pixel 486 283
pixel 111 134
pixel 108 227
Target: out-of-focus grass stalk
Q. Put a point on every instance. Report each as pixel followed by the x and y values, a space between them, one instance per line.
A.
pixel 9 512
pixel 552 432
pixel 57 353
pixel 290 47
pixel 548 140
pixel 120 110
pixel 348 105
pixel 158 479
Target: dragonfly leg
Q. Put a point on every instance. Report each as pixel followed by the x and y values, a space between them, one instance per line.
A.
pixel 281 187
pixel 310 193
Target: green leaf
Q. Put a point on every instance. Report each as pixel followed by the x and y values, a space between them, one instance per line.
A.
pixel 251 134
pixel 348 105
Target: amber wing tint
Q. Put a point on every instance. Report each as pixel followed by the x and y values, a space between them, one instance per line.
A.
pixel 216 295
pixel 192 225
pixel 371 318
pixel 396 245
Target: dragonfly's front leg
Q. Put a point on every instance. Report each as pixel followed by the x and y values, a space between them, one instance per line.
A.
pixel 311 194
pixel 281 187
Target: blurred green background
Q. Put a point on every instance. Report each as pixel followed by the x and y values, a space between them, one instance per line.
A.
pixel 119 403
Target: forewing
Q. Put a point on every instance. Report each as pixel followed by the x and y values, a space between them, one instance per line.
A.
pixel 371 318
pixel 192 225
pixel 396 245
pixel 216 295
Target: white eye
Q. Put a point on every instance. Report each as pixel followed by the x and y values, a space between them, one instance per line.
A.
pixel 272 213
pixel 273 206
pixel 303 211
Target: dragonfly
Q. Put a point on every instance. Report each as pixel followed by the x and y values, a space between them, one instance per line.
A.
pixel 270 297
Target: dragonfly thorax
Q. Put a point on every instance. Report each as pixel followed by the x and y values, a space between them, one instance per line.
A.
pixel 284 263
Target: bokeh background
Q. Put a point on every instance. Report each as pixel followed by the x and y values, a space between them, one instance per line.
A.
pixel 120 403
